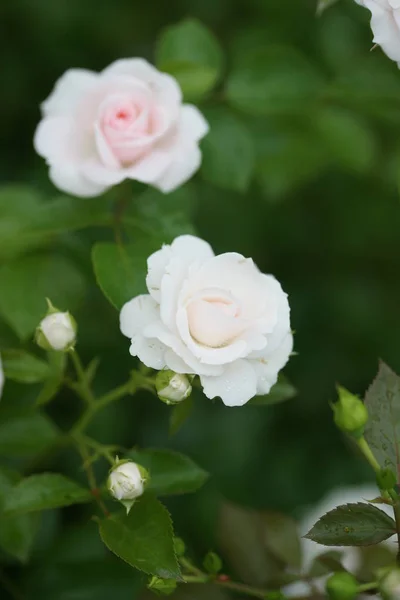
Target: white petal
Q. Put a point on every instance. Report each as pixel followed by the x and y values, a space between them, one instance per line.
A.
pixel 150 168
pixel 267 368
pixel 164 87
pixel 186 160
pixel 156 266
pixel 386 30
pixel 150 351
pixel 191 248
pixel 193 123
pixel 137 314
pixel 177 364
pixel 53 139
pixel 70 179
pixel 69 91
pixel 236 386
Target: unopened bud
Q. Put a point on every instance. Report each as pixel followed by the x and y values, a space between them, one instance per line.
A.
pixel 126 482
pixel 162 586
pixel 57 331
pixel 212 563
pixel 389 585
pixel 172 387
pixel 342 586
pixel 386 479
pixel 350 413
pixel 179 547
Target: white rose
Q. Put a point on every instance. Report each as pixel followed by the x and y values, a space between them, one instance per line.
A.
pixel 126 481
pixel 1 378
pixel 215 316
pixel 385 24
pixel 57 331
pixel 127 122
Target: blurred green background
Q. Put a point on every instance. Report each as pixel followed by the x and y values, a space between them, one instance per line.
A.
pixel 317 205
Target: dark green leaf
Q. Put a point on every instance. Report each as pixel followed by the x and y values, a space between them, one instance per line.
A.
pixel 27 282
pixel 26 435
pixel 273 80
pixel 327 562
pixel 353 525
pixel 179 415
pixel 190 53
pixel 24 367
pixel 44 491
pixel 282 538
pixel 57 364
pixel 143 538
pixel 383 428
pixel 16 532
pixel 283 390
pixel 322 5
pixel 120 271
pixel 228 152
pixel 170 472
pixel 29 221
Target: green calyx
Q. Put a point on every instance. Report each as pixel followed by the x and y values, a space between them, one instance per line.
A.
pixel 350 413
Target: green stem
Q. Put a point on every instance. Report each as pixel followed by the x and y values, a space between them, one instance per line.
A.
pixel 195 579
pixel 81 425
pixel 83 388
pixel 366 587
pixel 366 450
pixel 240 588
pixel 191 568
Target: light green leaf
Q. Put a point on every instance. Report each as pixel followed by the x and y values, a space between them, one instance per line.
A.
pixel 25 435
pixel 191 53
pixel 273 80
pixel 282 538
pixel 348 140
pixel 170 472
pixel 17 533
pixel 283 390
pixel 24 367
pixel 382 431
pixel 45 491
pixel 353 525
pixel 120 271
pixel 26 283
pixel 228 151
pixel 143 538
pixel 179 415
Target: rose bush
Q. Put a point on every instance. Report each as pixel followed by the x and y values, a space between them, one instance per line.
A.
pixel 385 24
pixel 127 122
pixel 218 317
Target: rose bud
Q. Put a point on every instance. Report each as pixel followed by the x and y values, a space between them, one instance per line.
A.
pixel 57 331
pixel 172 387
pixel 126 482
pixel 350 413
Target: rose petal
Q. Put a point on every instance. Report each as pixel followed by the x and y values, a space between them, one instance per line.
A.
pixel 137 314
pixel 156 266
pixel 185 161
pixel 386 30
pixel 69 178
pixel 150 351
pixel 69 91
pixel 193 122
pixel 267 368
pixel 236 386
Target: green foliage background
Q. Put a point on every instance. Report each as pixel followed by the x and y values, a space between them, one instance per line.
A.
pixel 300 172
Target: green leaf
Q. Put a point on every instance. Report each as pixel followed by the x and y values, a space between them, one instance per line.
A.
pixel 273 80
pixel 228 151
pixel 327 562
pixel 179 415
pixel 26 283
pixel 191 53
pixel 283 390
pixel 57 364
pixel 347 138
pixel 27 220
pixel 143 538
pixel 120 271
pixel 17 533
pixel 353 525
pixel 24 367
pixel 170 472
pixel 382 431
pixel 282 538
pixel 322 5
pixel 45 491
pixel 25 435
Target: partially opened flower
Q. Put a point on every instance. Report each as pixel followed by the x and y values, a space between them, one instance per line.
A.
pixel 385 24
pixel 218 317
pixel 127 122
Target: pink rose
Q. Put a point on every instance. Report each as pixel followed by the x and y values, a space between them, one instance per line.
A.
pixel 127 122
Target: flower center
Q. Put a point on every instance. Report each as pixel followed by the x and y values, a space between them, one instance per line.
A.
pixel 214 319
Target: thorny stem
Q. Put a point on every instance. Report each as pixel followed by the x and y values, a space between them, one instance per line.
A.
pixel 83 388
pixel 91 476
pixel 98 405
